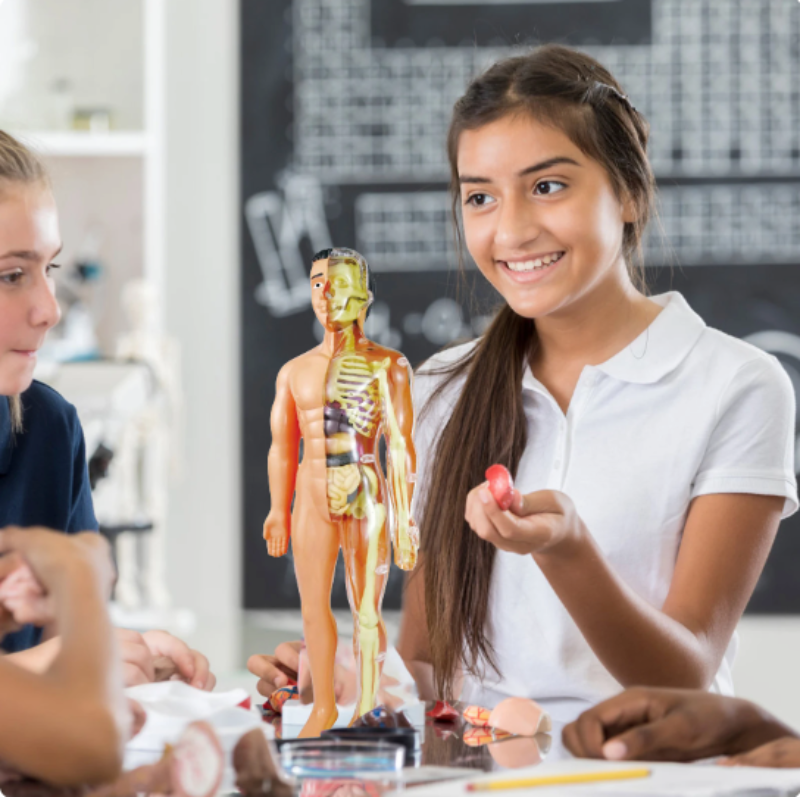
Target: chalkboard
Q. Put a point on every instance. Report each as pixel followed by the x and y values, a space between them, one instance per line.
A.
pixel 345 105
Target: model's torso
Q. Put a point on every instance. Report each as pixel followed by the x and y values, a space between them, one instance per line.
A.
pixel 339 412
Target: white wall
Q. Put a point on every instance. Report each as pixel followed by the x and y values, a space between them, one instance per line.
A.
pixel 202 296
pixel 766 668
pixel 94 44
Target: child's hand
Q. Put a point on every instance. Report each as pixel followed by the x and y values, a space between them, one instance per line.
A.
pixel 533 523
pixel 38 563
pixel 25 598
pixel 673 725
pixel 276 671
pixel 158 655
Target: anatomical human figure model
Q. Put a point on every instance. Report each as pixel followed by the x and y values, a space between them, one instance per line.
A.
pixel 341 399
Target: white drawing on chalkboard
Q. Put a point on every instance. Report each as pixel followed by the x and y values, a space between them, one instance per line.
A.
pixel 784 346
pixel 279 222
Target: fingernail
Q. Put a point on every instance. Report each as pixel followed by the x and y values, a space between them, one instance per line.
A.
pixel 484 495
pixel 279 682
pixel 615 751
pixel 198 684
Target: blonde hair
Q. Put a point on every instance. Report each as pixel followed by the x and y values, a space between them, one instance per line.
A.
pixel 18 164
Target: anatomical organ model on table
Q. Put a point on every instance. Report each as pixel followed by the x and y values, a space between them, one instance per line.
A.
pixel 342 398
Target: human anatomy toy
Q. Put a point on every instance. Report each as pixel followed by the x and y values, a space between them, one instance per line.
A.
pixel 342 398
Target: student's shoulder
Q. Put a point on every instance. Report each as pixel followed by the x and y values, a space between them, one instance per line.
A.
pixel 735 360
pixel 429 375
pixel 47 409
pixel 445 359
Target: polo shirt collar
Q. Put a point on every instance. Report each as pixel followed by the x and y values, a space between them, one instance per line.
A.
pixel 6 437
pixel 656 352
pixel 662 347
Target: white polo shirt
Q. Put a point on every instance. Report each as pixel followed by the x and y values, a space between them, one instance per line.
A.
pixel 684 410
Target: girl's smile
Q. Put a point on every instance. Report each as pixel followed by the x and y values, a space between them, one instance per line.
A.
pixel 533 268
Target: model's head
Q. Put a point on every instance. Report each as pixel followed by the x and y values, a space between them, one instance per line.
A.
pixel 341 287
pixel 549 167
pixel 29 241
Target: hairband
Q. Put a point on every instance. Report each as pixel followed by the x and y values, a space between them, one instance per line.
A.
pixel 616 92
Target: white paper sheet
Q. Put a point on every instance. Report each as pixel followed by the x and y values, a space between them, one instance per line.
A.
pixel 665 780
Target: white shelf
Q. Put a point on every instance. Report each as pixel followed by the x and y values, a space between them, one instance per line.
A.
pixel 80 143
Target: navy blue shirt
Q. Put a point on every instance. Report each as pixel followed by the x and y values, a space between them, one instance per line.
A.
pixel 43 476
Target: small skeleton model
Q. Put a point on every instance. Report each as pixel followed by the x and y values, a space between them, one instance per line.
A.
pixel 147 453
pixel 342 398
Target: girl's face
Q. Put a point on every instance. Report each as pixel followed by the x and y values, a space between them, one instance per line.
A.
pixel 541 218
pixel 29 241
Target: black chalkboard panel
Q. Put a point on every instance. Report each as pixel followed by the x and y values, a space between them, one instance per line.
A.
pixel 345 105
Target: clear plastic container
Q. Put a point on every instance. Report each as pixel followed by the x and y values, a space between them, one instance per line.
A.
pixel 343 769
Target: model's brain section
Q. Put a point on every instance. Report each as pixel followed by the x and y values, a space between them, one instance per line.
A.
pixel 353 385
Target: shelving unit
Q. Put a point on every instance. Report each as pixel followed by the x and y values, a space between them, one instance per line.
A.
pixel 69 144
pixel 113 182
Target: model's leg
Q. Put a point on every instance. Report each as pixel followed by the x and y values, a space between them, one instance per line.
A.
pixel 367 557
pixel 315 545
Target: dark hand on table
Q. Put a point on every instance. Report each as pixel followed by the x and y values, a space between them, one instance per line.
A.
pixel 670 725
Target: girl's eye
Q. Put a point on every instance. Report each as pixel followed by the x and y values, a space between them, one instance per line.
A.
pixel 479 199
pixel 547 187
pixel 51 267
pixel 317 285
pixel 12 278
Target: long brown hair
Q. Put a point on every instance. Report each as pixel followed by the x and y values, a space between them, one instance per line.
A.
pixel 18 165
pixel 570 90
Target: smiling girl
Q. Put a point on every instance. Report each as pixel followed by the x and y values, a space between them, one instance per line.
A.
pixel 653 456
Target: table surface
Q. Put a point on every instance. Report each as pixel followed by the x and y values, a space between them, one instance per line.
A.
pixel 456 744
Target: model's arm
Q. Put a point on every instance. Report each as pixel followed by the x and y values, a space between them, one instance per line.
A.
pixel 282 465
pixel 66 726
pixel 402 460
pixel 725 544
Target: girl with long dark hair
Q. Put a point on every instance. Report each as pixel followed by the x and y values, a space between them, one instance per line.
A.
pixel 653 455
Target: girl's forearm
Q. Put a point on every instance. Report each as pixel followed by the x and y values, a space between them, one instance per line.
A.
pixel 68 725
pixel 637 643
pixel 37 659
pixel 87 659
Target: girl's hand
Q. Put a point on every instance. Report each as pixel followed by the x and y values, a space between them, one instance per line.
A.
pixel 158 655
pixel 35 564
pixel 23 597
pixel 672 725
pixel 191 666
pixel 276 671
pixel 534 523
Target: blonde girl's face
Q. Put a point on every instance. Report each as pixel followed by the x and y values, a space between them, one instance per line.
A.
pixel 29 241
pixel 541 219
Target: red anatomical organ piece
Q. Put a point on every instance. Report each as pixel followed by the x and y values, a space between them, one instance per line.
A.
pixel 501 485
